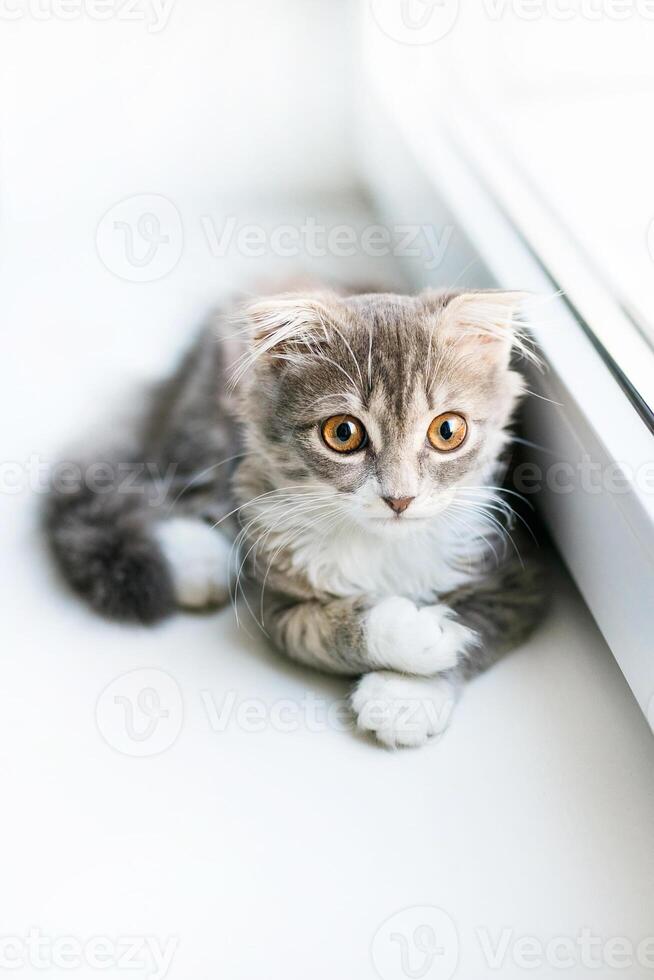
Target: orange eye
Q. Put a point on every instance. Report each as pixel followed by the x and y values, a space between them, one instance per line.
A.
pixel 447 431
pixel 344 434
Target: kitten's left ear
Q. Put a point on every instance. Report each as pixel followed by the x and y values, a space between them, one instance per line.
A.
pixel 483 324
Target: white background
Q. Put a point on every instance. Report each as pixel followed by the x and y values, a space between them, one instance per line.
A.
pixel 273 854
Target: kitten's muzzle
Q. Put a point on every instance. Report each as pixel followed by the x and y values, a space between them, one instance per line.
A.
pixel 398 504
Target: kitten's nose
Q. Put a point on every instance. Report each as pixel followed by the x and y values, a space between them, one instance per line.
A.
pixel 398 504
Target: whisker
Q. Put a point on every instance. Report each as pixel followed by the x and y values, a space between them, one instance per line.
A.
pixel 503 507
pixel 287 543
pixel 261 496
pixel 543 398
pixel 356 363
pixel 457 522
pixel 300 508
pixel 369 360
pixel 513 493
pixel 475 532
pixel 198 476
pixel 532 445
pixel 281 499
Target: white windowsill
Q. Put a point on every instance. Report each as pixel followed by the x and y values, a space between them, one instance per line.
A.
pixel 606 539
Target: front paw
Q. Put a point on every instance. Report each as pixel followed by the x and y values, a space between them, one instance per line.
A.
pixel 402 711
pixel 404 637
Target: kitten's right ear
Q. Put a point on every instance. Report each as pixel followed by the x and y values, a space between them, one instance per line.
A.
pixel 282 320
pixel 281 329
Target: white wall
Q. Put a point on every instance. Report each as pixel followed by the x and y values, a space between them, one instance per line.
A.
pixel 228 110
pixel 219 95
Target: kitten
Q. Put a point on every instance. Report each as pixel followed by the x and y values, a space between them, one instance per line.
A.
pixel 349 464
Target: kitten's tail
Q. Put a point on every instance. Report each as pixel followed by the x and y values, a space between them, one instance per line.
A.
pixel 103 544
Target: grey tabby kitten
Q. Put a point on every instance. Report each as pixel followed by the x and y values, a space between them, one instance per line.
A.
pixel 349 465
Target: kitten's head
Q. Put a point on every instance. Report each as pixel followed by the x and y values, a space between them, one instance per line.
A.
pixel 389 403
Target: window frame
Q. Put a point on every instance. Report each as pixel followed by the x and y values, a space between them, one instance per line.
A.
pixel 606 539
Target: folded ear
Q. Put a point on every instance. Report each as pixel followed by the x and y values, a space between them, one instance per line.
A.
pixel 286 320
pixel 484 324
pixel 282 328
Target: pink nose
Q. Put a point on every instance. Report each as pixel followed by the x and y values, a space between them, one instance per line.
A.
pixel 398 504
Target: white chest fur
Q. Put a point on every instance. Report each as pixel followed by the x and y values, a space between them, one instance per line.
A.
pixel 352 561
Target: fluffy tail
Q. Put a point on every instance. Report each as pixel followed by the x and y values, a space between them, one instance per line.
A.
pixel 102 543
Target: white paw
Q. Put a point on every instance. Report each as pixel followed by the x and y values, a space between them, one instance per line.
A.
pixel 198 557
pixel 416 640
pixel 401 710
